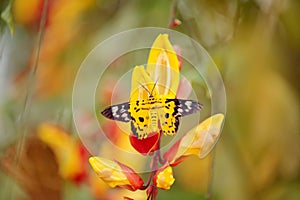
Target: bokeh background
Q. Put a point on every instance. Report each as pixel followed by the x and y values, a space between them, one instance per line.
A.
pixel 255 44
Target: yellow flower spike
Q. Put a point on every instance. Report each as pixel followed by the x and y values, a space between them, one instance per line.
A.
pixel 109 171
pixel 164 178
pixel 198 141
pixel 65 148
pixel 204 136
pixel 163 66
pixel 116 174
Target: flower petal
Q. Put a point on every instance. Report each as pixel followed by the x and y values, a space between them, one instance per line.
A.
pixel 198 141
pixel 116 174
pixel 163 178
pixel 145 145
pixel 163 66
pixel 140 83
pixel 68 152
pixel 135 180
pixel 184 89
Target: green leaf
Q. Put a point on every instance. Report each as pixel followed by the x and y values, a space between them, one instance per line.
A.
pixel 7 17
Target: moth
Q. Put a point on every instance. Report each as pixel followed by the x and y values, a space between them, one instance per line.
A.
pixel 152 114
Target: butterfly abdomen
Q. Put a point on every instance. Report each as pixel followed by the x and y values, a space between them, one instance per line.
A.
pixel 154 119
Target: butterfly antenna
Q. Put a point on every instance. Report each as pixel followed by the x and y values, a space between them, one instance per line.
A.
pixel 145 88
pixel 153 87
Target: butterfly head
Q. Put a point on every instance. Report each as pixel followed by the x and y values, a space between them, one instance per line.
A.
pixel 153 92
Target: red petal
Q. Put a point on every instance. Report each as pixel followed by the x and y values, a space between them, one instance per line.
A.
pixel 178 51
pixel 171 153
pixel 178 161
pixel 147 145
pixel 135 180
pixel 82 175
pixel 152 190
pixel 127 198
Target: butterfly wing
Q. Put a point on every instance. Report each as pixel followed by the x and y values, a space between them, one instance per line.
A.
pixel 142 114
pixel 119 112
pixel 187 107
pixel 168 116
pixel 172 110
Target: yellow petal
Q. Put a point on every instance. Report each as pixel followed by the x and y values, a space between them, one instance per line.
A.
pixel 66 149
pixel 165 179
pixel 109 171
pixel 201 139
pixel 163 66
pixel 141 84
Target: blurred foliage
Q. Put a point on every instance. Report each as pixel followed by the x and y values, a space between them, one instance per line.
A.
pixel 6 16
pixel 255 44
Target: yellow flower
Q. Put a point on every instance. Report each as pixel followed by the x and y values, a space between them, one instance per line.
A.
pixel 68 152
pixel 161 77
pixel 116 174
pixel 203 136
pixel 198 141
pixel 162 68
pixel 164 178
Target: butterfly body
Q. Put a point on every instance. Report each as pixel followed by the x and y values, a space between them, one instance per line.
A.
pixel 152 114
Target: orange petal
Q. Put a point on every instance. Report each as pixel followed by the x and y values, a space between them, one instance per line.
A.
pixel 68 151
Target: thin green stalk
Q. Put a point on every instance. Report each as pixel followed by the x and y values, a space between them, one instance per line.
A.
pixel 209 194
pixel 24 115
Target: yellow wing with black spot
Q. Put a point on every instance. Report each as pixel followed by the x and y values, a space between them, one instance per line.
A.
pixel 172 110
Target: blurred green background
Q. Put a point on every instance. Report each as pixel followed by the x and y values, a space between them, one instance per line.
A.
pixel 255 44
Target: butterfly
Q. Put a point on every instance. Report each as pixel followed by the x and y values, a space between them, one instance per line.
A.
pixel 152 114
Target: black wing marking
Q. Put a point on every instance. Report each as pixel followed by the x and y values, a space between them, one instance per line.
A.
pixel 185 107
pixel 133 129
pixel 118 112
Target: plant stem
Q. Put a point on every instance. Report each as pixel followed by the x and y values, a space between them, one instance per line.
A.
pixel 24 115
pixel 210 183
